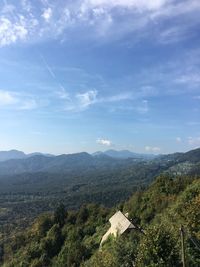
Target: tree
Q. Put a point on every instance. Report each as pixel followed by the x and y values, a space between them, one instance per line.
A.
pixel 60 215
pixel 158 248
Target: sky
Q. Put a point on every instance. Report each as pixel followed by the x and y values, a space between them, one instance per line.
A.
pixel 90 75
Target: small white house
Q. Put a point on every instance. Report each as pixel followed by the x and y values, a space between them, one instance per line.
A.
pixel 119 224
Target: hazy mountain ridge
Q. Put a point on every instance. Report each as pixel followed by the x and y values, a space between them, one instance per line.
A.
pixel 12 154
pixel 16 154
pixel 61 163
pixel 81 161
pixel 124 154
pixel 121 154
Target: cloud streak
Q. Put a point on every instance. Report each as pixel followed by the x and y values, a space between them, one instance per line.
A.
pixel 7 98
pixel 16 101
pixel 47 66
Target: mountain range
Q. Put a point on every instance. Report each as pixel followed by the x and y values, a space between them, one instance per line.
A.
pixel 17 162
pixel 121 154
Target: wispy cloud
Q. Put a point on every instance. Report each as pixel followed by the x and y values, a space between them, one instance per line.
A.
pixel 194 141
pixel 152 149
pixel 105 19
pixel 86 99
pixel 143 107
pixel 29 104
pixel 174 34
pixel 117 98
pixel 26 5
pixel 17 101
pixel 8 9
pixel 178 139
pixel 62 93
pixel 104 142
pixel 80 101
pixel 189 78
pixel 7 98
pixel 11 32
pixel 135 4
pixel 47 14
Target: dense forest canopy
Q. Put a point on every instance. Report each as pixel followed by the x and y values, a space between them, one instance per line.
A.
pixel 72 238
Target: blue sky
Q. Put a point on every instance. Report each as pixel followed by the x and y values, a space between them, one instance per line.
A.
pixel 88 75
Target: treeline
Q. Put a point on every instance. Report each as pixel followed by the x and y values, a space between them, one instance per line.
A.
pixel 72 238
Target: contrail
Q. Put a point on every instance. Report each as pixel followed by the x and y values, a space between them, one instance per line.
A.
pixel 48 67
pixel 62 93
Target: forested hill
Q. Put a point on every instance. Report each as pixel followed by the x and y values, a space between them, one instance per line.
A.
pixel 37 184
pixel 71 238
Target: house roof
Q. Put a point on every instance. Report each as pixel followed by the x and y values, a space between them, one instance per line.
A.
pixel 119 224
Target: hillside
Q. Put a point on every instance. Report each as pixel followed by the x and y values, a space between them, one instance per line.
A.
pixel 72 238
pixel 39 183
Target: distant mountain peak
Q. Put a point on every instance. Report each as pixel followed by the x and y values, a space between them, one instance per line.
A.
pixel 11 154
pixel 17 154
pixel 123 154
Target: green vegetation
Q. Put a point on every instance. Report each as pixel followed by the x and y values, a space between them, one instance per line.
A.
pixel 37 184
pixel 72 238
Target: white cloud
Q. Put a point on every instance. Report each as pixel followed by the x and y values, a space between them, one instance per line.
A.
pixel 117 97
pixel 11 32
pixel 104 142
pixel 104 19
pixel 194 141
pixel 29 104
pixel 7 98
pixel 78 102
pixel 62 93
pixel 152 149
pixel 174 9
pixel 178 139
pixel 26 5
pixel 137 4
pixel 189 78
pixel 17 101
pixel 143 107
pixel 47 14
pixel 8 9
pixel 174 34
pixel 86 99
